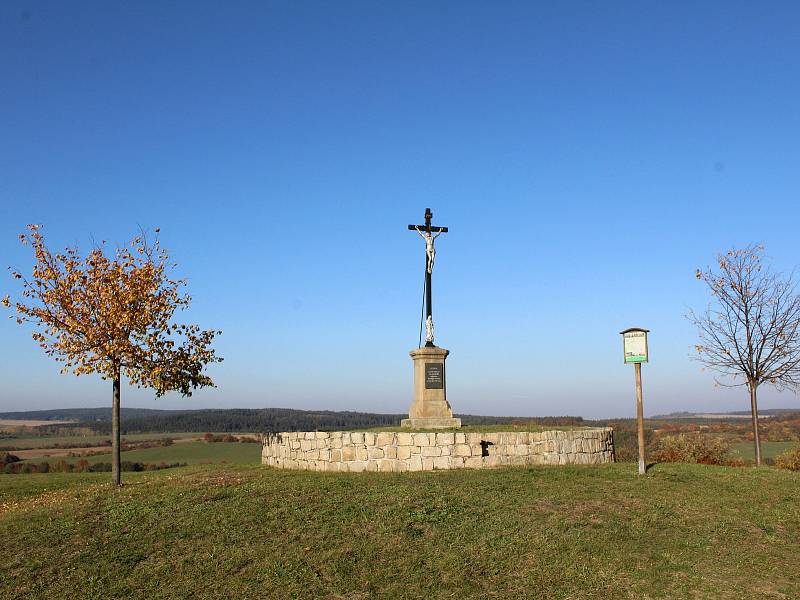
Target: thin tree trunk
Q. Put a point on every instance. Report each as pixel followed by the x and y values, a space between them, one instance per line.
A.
pixel 754 411
pixel 115 466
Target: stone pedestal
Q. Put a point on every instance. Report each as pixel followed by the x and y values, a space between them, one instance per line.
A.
pixel 430 409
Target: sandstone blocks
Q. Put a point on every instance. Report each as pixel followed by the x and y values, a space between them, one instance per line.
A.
pixel 353 451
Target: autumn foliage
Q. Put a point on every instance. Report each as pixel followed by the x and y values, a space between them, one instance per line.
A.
pixel 100 314
pixel 789 460
pixel 693 448
pixel 112 313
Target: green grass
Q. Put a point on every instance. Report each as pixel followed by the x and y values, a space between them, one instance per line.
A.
pixel 478 428
pixel 746 450
pixel 685 531
pixel 188 452
pixel 30 443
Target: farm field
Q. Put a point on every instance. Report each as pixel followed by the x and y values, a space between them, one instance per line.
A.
pixel 49 441
pixel 746 450
pixel 14 423
pixel 191 452
pixel 542 532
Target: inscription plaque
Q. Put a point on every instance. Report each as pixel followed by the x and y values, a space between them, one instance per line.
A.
pixel 434 376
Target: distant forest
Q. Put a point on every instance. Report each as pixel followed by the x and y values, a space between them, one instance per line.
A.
pixel 241 420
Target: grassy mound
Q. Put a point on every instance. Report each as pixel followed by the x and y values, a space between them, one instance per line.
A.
pixel 539 532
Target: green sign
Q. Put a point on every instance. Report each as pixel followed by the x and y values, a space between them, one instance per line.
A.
pixel 635 346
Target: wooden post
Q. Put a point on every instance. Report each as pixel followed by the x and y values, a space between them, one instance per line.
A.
pixel 640 417
pixel 635 350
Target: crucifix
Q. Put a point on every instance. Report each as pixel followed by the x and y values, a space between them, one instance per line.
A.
pixel 429 233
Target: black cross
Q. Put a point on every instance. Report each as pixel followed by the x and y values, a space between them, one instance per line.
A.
pixel 429 229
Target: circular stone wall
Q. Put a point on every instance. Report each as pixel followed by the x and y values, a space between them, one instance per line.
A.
pixel 356 451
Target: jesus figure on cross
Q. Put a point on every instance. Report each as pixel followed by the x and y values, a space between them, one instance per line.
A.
pixel 430 249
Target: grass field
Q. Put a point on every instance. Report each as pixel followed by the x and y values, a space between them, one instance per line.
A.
pixel 188 452
pixel 477 428
pixel 49 441
pixel 746 450
pixel 685 531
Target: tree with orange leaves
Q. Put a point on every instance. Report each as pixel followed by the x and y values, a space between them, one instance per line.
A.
pixel 113 315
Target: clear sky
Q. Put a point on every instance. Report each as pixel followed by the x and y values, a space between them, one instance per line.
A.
pixel 586 156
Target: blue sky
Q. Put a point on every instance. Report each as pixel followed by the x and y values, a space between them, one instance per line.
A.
pixel 586 156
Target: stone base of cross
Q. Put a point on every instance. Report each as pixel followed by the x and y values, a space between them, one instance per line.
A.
pixel 430 408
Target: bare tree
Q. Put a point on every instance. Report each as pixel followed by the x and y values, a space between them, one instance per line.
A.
pixel 750 332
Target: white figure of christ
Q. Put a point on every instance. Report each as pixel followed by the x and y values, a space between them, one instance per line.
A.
pixel 430 249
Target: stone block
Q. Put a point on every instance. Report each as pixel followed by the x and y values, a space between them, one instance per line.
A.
pixel 445 438
pixel 348 453
pixel 361 453
pixel 404 439
pixel 403 452
pixel 431 451
pixel 492 438
pixel 375 453
pixel 460 438
pixel 422 439
pixel 336 455
pixel 385 438
pixel 356 437
pixel 441 462
pixel 427 464
pixel 322 435
pixel 415 463
pixel 446 450
pixel 493 461
pixel 461 450
pixel 474 438
pixel 431 423
pixel 390 451
pixel 386 465
pixel 369 439
pixel 473 462
pixel 356 466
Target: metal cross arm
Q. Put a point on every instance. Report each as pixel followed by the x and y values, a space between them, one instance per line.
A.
pixel 432 228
